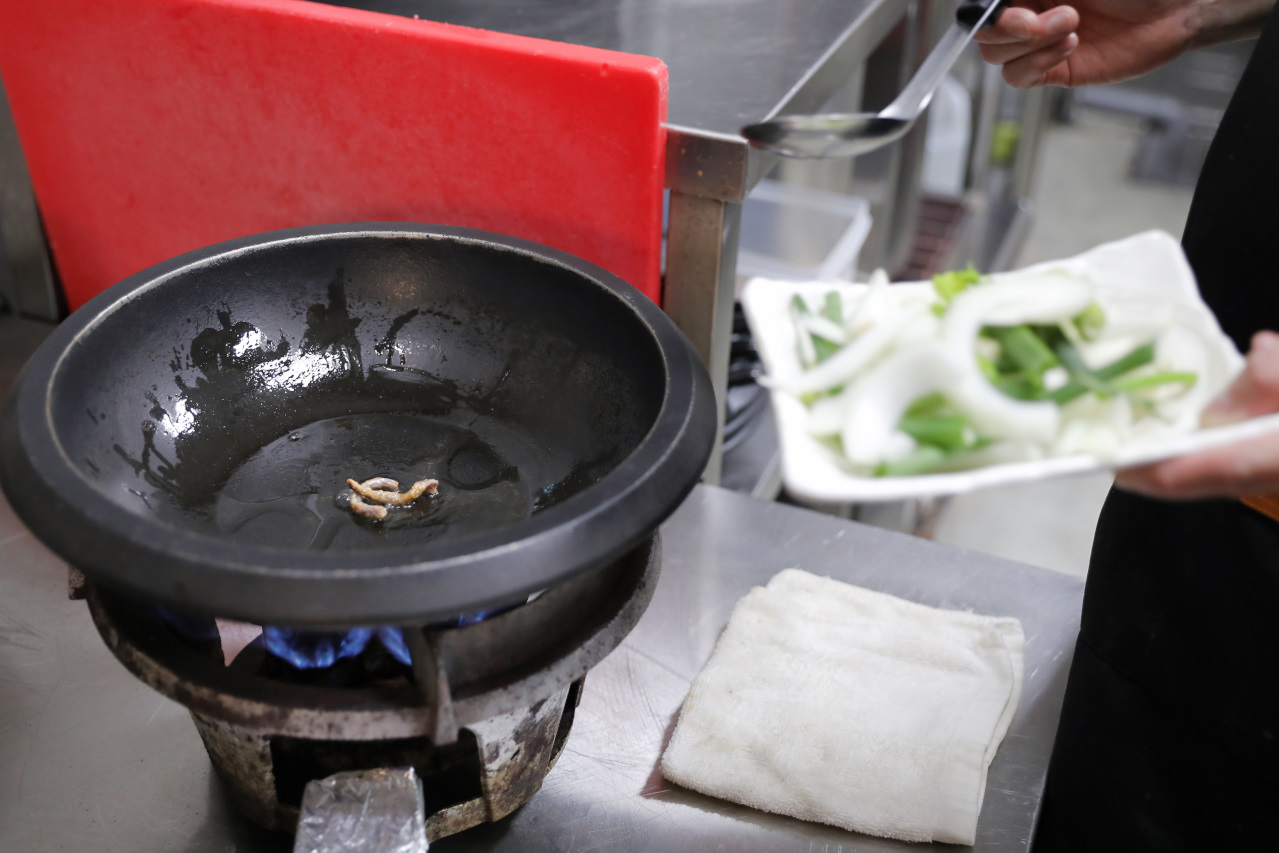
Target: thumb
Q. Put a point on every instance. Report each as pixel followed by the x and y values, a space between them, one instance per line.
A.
pixel 1255 390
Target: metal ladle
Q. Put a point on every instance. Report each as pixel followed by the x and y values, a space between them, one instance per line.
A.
pixel 852 134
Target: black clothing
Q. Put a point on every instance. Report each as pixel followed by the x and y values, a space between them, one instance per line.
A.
pixel 1169 737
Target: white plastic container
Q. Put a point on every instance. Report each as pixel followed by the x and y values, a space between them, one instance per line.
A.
pixel 799 234
pixel 946 145
pixel 1129 276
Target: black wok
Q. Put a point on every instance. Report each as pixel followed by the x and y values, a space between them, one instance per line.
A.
pixel 186 436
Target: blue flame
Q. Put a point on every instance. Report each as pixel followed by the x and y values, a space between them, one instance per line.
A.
pixel 315 649
pixel 393 640
pixel 318 649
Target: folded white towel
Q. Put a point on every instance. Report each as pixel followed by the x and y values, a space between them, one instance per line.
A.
pixel 832 703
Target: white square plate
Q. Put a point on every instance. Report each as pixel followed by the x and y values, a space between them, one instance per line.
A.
pixel 1146 269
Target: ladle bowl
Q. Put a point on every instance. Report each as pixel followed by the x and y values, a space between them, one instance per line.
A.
pixel 831 135
pixel 828 135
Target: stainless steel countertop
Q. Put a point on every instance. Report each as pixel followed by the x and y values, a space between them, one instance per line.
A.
pixel 90 759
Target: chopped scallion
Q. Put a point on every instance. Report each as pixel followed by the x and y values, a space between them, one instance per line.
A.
pixel 1025 348
pixel 834 308
pixel 949 284
pixel 1138 357
pixel 1136 383
pixel 929 404
pixel 823 348
pixel 921 460
pixel 1090 322
pixel 949 432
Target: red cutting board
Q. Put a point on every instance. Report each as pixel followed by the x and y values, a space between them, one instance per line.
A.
pixel 152 127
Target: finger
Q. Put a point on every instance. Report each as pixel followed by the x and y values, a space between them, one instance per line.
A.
pixel 1018 25
pixel 1013 25
pixel 1043 66
pixel 1249 467
pixel 1002 54
pixel 1255 391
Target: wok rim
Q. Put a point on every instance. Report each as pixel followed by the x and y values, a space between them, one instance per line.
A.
pixel 206 573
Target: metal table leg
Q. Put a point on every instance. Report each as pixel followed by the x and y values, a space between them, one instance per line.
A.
pixel 701 274
pixel 707 174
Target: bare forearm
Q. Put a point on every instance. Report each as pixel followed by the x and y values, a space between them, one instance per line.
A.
pixel 1222 21
pixel 1086 42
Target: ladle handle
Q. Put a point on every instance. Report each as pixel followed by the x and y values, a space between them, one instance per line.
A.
pixel 970 13
pixel 914 97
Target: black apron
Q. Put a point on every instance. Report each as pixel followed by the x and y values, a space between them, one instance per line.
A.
pixel 1169 736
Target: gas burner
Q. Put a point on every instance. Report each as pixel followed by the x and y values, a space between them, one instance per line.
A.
pixel 481 714
pixel 186 438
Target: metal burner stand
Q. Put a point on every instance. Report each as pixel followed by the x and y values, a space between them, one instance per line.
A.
pixel 486 719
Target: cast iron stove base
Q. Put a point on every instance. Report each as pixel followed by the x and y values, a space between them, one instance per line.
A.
pixel 482 720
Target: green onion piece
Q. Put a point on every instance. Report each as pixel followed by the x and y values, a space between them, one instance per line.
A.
pixel 1079 371
pixel 988 369
pixel 1141 407
pixel 814 396
pixel 1066 393
pixel 929 404
pixel 803 340
pixel 921 460
pixel 1021 387
pixel 1139 357
pixel 824 348
pixel 1136 383
pixel 834 308
pixel 1025 348
pixel 949 284
pixel 1025 353
pixel 1090 322
pixel 949 432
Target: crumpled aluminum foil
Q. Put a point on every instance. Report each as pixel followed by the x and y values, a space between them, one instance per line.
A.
pixel 364 811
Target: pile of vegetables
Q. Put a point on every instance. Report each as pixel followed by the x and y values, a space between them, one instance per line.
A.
pixel 976 372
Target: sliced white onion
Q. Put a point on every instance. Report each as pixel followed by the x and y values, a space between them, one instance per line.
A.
pixel 1121 418
pixel 996 453
pixel 864 314
pixel 1092 425
pixel 1048 299
pixel 1184 349
pixel 845 365
pixel 1097 354
pixel 823 327
pixel 876 402
pixel 826 415
pixel 897 445
pixel 924 327
pixel 807 354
